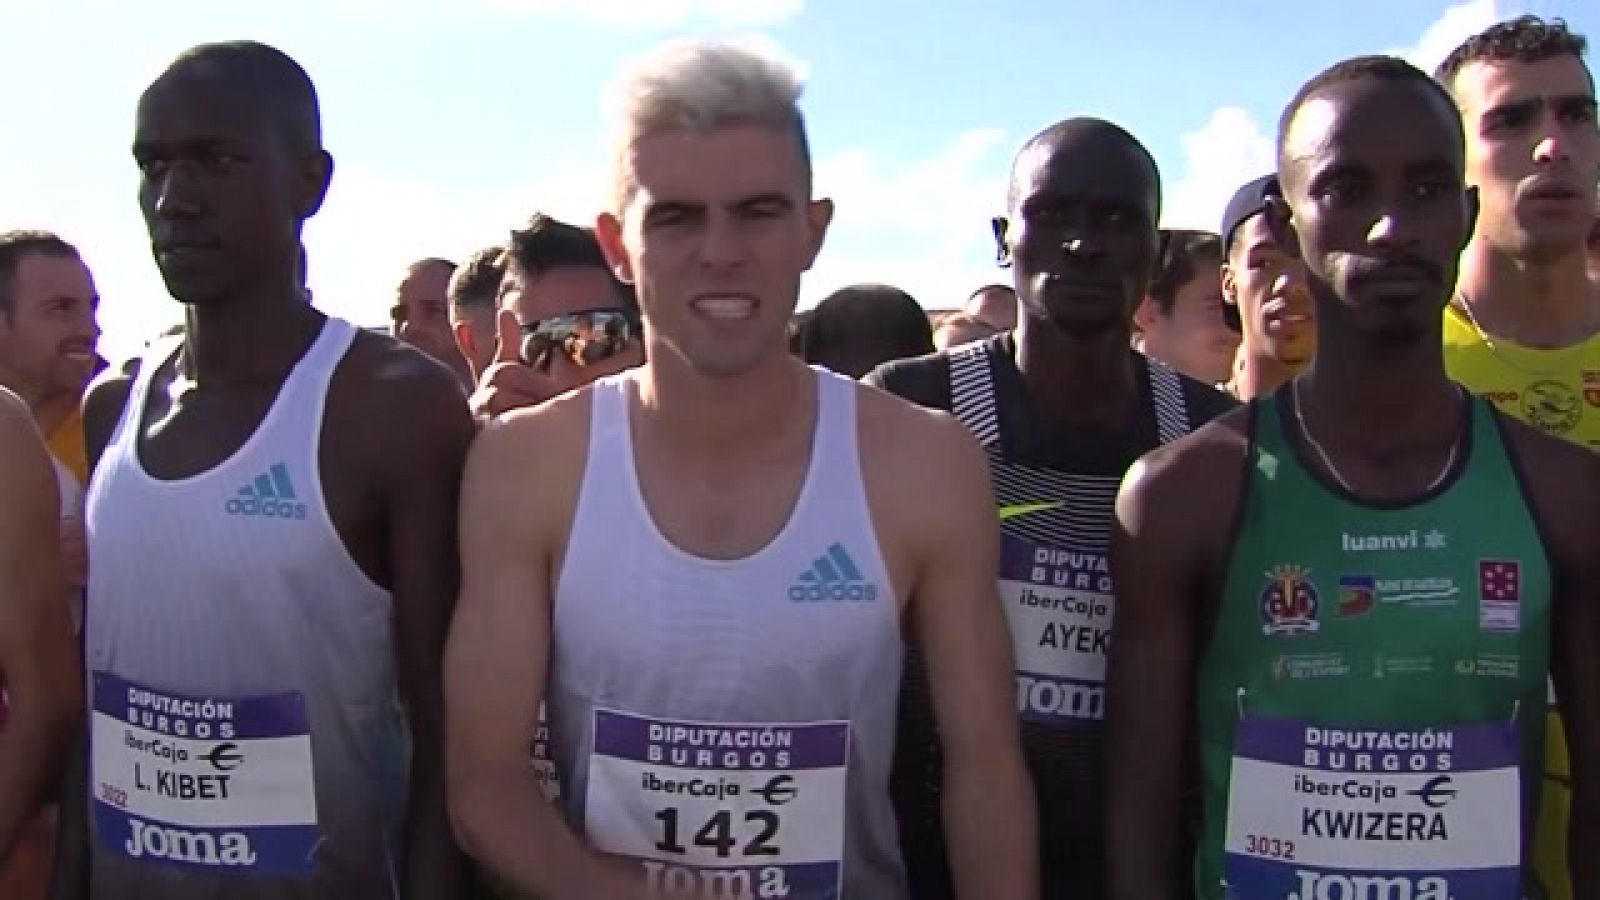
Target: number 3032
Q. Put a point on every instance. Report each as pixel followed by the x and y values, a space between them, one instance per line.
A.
pixel 1271 848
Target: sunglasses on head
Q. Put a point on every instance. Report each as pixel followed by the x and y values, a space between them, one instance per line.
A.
pixel 588 337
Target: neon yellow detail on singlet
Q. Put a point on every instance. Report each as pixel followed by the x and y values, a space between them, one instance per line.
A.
pixel 1018 510
pixel 1558 392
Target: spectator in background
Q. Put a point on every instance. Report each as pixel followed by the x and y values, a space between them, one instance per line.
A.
pixel 995 305
pixel 472 293
pixel 1180 321
pixel 961 328
pixel 564 319
pixel 856 328
pixel 1264 286
pixel 421 313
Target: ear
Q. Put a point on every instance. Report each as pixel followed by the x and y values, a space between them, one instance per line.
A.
pixel 608 231
pixel 1230 286
pixel 1144 315
pixel 1000 226
pixel 316 174
pixel 819 215
pixel 1280 224
pixel 466 340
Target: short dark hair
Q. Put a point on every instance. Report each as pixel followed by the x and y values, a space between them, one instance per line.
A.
pixel 547 243
pixel 476 283
pixel 997 286
pixel 270 77
pixel 1525 39
pixel 1383 68
pixel 1182 255
pixel 860 326
pixel 14 245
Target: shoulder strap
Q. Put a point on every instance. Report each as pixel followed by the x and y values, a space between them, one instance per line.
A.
pixel 1172 410
pixel 972 392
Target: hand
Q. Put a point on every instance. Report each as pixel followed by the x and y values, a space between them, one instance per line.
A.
pixel 508 383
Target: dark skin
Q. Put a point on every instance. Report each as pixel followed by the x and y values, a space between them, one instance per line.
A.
pixel 1080 236
pixel 1380 223
pixel 222 173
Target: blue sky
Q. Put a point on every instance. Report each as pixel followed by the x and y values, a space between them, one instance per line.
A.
pixel 452 120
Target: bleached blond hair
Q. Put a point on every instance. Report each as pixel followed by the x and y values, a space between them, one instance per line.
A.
pixel 700 86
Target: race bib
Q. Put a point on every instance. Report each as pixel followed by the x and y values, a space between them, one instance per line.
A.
pixel 1374 814
pixel 209 784
pixel 733 810
pixel 1058 603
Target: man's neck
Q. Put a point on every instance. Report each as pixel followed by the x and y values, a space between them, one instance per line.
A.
pixel 1258 374
pixel 1376 396
pixel 1072 378
pixel 247 337
pixel 723 417
pixel 1545 305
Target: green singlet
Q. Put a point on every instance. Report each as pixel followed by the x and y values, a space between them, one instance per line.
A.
pixel 1371 702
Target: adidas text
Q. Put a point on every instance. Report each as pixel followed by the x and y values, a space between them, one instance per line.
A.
pixel 834 592
pixel 231 848
pixel 272 509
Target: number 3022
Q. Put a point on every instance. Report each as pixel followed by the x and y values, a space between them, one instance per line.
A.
pixel 1271 848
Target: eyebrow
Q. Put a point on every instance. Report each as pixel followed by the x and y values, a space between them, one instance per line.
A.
pixel 1528 104
pixel 770 198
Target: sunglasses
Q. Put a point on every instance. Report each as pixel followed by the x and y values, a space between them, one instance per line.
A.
pixel 588 337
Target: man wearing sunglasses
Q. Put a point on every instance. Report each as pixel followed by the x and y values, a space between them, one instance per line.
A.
pixel 564 319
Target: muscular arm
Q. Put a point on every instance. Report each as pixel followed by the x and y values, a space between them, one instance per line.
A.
pixel 495 665
pixel 102 407
pixel 43 684
pixel 1575 666
pixel 425 455
pixel 1149 683
pixel 989 807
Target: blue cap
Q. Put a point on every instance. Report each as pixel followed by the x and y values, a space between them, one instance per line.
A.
pixel 1246 202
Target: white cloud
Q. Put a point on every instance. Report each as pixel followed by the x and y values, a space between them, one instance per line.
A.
pixel 1232 148
pixel 1228 150
pixel 1455 25
pixel 659 13
pixel 922 226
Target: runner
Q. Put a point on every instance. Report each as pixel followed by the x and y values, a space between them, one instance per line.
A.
pixel 1063 407
pixel 1524 327
pixel 718 629
pixel 1355 588
pixel 43 693
pixel 265 683
pixel 1266 294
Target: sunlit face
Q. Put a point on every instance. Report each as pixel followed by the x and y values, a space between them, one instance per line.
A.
pixel 47 342
pixel 559 292
pixel 1533 151
pixel 1276 314
pixel 715 238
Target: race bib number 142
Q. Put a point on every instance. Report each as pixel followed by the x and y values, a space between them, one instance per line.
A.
pixel 733 810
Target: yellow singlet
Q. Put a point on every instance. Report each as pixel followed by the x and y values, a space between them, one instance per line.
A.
pixel 1558 392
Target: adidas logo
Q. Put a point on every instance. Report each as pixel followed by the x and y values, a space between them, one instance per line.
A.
pixel 271 496
pixel 833 578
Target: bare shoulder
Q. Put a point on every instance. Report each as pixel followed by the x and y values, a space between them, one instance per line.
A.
pixel 915 447
pixel 104 402
pixel 1562 480
pixel 532 460
pixel 385 375
pixel 1188 484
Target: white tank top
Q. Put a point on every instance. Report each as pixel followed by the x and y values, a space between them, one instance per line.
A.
pixel 247 740
pixel 730 722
